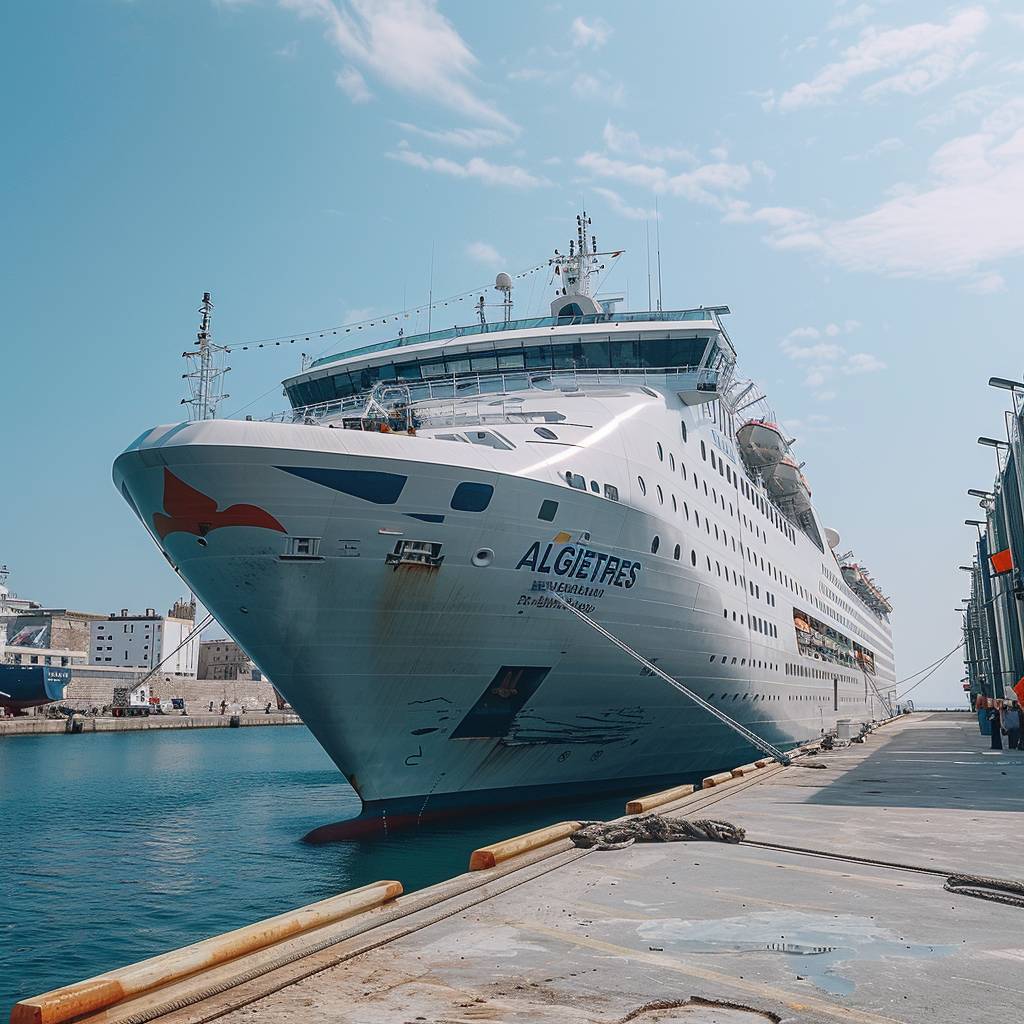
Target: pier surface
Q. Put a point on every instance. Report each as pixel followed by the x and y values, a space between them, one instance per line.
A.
pixel 833 909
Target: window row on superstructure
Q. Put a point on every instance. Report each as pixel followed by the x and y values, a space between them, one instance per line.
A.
pixel 631 352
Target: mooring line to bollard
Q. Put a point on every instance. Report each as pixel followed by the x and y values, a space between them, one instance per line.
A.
pixel 750 737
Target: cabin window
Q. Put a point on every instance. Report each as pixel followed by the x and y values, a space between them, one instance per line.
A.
pixel 471 497
pixel 550 435
pixel 595 487
pixel 548 509
pixel 611 492
pixel 655 544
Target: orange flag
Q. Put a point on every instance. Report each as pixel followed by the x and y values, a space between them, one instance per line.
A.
pixel 1002 561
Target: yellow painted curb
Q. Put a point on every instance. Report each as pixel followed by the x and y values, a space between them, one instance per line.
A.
pixel 64 1004
pixel 716 780
pixel 666 796
pixel 489 856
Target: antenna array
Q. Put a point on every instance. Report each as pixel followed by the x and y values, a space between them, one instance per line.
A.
pixel 205 374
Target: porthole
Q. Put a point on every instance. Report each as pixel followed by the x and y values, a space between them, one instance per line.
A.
pixel 682 429
pixel 661 452
pixel 693 558
pixel 655 544
pixel 676 553
pixel 643 486
pixel 703 452
pixel 661 496
pixel 671 462
pixel 484 556
pixel 675 505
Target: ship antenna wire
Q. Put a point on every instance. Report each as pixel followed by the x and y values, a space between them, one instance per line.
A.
pixel 657 228
pixel 647 226
pixel 430 290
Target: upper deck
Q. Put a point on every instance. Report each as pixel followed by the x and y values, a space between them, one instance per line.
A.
pixel 662 338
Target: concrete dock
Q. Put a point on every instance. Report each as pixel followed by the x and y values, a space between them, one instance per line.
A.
pixel 831 909
pixel 37 725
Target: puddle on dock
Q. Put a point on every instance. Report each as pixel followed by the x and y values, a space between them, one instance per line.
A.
pixel 819 945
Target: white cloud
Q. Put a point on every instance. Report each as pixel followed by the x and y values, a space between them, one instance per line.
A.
pixel 970 101
pixel 593 33
pixel 409 45
pixel 863 362
pixel 288 51
pixel 965 217
pixel 621 207
pixel 352 83
pixel 704 184
pixel 527 75
pixel 598 87
pixel 907 60
pixel 627 143
pixel 508 175
pixel 824 360
pixel 466 138
pixel 483 252
pixel 890 145
pixel 859 14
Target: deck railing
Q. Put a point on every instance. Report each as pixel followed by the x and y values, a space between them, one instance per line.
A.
pixel 463 389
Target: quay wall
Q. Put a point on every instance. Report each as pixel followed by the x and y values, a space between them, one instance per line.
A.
pixel 36 725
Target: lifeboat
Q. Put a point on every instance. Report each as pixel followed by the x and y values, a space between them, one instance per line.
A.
pixel 866 588
pixel 761 444
pixel 788 485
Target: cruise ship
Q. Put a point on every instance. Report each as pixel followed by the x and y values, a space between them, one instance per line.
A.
pixel 398 552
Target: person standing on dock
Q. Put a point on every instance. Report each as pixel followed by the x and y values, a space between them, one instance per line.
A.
pixel 1011 725
pixel 995 727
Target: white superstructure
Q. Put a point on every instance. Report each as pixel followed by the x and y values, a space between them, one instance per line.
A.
pixel 386 553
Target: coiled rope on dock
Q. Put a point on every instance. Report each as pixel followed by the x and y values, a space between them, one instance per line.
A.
pixel 997 890
pixel 652 828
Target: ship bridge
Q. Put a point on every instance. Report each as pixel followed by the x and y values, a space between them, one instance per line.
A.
pixel 692 340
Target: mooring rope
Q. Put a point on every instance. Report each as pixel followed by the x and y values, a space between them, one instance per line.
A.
pixel 750 736
pixel 653 828
pixel 997 890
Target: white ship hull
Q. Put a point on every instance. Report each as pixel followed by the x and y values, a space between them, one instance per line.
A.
pixel 390 666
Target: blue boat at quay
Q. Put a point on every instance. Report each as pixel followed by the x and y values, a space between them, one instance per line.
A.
pixel 28 686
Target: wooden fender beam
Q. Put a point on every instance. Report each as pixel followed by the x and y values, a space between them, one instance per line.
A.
pixel 666 796
pixel 489 856
pixel 71 1001
pixel 717 780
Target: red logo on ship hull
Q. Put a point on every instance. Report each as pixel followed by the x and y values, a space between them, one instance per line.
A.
pixel 187 510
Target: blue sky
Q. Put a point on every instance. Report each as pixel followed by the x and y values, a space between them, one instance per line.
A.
pixel 848 177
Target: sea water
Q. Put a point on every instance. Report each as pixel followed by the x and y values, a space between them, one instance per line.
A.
pixel 118 846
